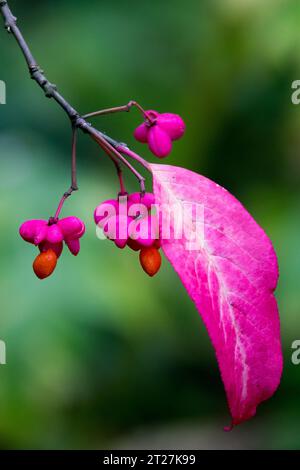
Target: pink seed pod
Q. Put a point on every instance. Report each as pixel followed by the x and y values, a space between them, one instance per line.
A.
pixel 134 244
pixel 71 227
pixel 144 231
pixel 56 247
pixel 116 229
pixel 30 229
pixel 173 124
pixel 120 243
pixel 159 130
pixel 141 133
pixel 138 211
pixel 105 210
pixel 73 245
pixel 41 234
pixel 159 141
pixel 136 198
pixel 54 234
pixel 122 208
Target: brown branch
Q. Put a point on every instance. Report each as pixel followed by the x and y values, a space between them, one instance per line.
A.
pixel 108 144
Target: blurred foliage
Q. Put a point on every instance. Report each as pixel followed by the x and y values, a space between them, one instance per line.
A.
pixel 99 352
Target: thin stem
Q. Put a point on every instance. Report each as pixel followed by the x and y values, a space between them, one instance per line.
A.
pixel 144 113
pixel 115 154
pixel 123 149
pixel 120 176
pixel 74 186
pixel 103 112
pixel 60 205
pixel 118 109
pixel 122 185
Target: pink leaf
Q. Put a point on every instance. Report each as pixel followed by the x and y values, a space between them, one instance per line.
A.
pixel 231 278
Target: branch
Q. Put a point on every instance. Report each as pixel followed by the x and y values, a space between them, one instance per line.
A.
pixel 108 144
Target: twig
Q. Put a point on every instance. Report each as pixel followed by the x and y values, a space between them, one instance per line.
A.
pixel 117 109
pixel 122 148
pixel 108 148
pixel 73 186
pixel 106 143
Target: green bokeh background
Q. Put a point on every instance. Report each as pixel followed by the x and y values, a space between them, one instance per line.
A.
pixel 99 355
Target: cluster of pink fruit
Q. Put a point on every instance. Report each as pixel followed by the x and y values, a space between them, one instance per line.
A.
pixel 128 221
pixel 159 130
pixel 49 236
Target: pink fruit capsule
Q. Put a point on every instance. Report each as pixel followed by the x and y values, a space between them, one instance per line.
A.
pixel 144 230
pixel 56 247
pixel 159 130
pixel 105 210
pixel 159 142
pixel 71 227
pixel 147 199
pixel 54 234
pixel 30 229
pixel 172 124
pixel 120 242
pixel 116 229
pixel 41 234
pixel 141 133
pixel 73 245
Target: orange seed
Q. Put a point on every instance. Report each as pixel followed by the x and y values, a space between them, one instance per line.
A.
pixel 150 260
pixel 44 264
